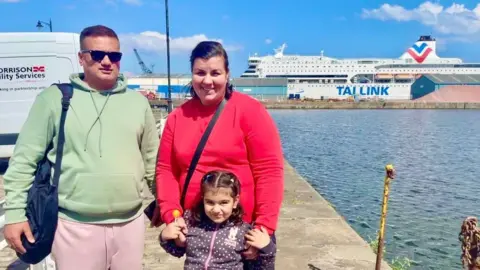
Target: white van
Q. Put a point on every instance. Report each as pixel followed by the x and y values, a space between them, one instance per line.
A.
pixel 30 62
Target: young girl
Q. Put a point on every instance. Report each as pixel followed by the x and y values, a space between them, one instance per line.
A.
pixel 217 235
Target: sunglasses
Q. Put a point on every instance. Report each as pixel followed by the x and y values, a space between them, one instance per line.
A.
pixel 99 55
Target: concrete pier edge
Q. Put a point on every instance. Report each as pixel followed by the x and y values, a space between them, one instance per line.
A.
pixel 342 105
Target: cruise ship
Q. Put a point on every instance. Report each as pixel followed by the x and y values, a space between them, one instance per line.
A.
pixel 323 77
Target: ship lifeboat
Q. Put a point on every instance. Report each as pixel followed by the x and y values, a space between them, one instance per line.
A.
pixel 404 76
pixel 383 76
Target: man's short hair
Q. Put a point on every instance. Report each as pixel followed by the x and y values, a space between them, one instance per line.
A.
pixel 96 31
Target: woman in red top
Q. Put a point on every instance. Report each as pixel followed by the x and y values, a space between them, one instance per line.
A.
pixel 244 141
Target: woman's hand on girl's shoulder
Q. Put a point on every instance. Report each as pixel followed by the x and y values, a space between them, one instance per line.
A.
pixel 258 238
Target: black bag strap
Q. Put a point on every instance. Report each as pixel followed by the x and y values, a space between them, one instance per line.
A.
pixel 67 93
pixel 199 150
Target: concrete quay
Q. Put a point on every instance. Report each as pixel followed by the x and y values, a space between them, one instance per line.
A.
pixel 311 235
pixel 371 105
pixel 342 105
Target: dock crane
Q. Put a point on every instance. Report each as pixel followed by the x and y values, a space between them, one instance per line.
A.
pixel 149 94
pixel 145 69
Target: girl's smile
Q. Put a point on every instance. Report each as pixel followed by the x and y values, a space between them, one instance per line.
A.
pixel 219 204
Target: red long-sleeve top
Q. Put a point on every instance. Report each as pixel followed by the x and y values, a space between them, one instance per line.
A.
pixel 244 141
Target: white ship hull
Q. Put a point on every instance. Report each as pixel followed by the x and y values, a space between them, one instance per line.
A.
pixel 325 77
pixel 345 91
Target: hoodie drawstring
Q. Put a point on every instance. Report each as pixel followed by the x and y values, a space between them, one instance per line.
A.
pixel 99 113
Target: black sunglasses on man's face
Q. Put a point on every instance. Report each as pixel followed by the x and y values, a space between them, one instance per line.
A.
pixel 99 55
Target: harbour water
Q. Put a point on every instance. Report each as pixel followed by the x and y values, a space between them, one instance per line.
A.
pixel 435 152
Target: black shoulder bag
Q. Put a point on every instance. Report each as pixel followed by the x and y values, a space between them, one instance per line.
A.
pixel 42 200
pixel 193 164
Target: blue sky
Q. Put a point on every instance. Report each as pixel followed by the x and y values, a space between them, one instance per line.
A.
pixel 342 28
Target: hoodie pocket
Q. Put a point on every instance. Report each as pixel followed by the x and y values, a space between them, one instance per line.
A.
pixel 104 193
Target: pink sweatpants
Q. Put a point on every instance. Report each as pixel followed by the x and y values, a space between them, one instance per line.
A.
pixel 99 247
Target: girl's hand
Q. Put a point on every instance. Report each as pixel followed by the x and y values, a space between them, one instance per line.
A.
pixel 181 222
pixel 181 240
pixel 258 239
pixel 171 232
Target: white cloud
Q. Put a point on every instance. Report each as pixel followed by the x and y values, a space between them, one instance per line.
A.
pixel 10 1
pixel 268 41
pixel 151 41
pixel 455 20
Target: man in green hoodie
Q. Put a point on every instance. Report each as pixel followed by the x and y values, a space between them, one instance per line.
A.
pixel 111 144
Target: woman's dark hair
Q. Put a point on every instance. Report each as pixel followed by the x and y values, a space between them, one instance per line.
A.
pixel 214 180
pixel 207 50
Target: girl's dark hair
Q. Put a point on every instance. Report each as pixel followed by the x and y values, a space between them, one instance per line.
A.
pixel 207 50
pixel 215 180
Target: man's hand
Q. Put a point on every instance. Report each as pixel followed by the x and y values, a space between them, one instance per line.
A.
pixel 13 232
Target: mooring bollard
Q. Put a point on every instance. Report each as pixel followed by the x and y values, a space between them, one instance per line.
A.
pixel 390 175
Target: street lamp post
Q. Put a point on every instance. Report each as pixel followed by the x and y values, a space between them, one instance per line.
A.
pixel 40 24
pixel 170 104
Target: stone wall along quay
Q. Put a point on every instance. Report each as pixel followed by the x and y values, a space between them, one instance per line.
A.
pixel 341 105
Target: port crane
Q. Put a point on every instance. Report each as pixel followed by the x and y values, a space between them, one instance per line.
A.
pixel 149 94
pixel 144 67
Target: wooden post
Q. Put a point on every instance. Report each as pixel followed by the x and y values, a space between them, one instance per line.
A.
pixel 390 175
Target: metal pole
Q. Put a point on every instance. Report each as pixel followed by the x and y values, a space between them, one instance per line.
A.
pixel 50 24
pixel 170 105
pixel 390 175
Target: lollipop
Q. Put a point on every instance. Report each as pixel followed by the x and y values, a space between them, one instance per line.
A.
pixel 176 214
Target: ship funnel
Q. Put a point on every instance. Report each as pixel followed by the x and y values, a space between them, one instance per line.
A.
pixel 424 50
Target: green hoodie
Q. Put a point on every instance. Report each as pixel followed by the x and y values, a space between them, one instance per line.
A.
pixel 111 145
